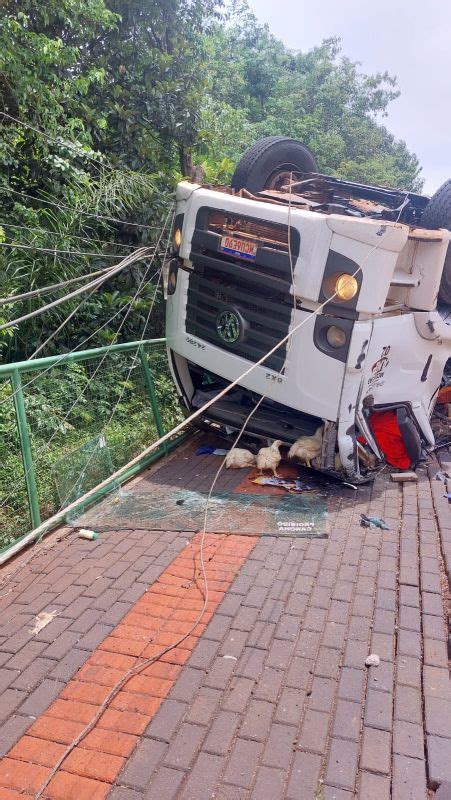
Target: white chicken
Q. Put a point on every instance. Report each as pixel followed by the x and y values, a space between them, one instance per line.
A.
pixel 307 448
pixel 239 458
pixel 269 457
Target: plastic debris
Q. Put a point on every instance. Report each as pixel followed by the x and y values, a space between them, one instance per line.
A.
pixel 42 620
pixel 366 522
pixel 210 450
pixel 373 660
pixel 293 485
pixel 231 658
pixel 441 476
pixel 85 533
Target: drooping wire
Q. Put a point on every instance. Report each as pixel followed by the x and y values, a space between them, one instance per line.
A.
pixel 92 214
pixel 47 231
pixel 15 298
pixel 138 255
pixel 91 378
pixel 130 370
pixel 63 356
pixel 55 250
pixel 62 325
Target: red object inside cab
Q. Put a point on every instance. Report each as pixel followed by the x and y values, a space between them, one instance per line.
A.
pixel 387 433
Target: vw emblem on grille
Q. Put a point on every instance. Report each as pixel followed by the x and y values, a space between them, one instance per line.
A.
pixel 228 326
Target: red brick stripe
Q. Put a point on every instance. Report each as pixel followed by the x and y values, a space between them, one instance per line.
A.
pixel 159 617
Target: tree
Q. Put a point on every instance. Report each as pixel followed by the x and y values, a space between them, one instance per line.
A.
pixel 120 79
pixel 319 97
pixel 128 93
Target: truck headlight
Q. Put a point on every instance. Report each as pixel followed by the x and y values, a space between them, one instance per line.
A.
pixel 335 336
pixel 177 239
pixel 346 287
pixel 177 232
pixel 172 276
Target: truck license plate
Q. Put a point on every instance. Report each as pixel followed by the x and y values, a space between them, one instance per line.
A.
pixel 240 248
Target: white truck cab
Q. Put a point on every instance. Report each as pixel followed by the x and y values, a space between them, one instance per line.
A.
pixel 368 348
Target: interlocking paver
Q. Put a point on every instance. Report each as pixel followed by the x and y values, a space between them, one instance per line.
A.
pixel 272 699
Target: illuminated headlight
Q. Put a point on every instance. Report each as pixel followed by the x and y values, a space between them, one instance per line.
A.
pixel 336 337
pixel 346 287
pixel 177 239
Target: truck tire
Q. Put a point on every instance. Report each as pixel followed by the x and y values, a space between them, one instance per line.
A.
pixel 269 163
pixel 437 214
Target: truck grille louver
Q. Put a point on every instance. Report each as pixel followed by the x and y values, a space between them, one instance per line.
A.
pixel 258 291
pixel 266 315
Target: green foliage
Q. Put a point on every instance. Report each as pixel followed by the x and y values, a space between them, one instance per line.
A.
pixel 67 407
pixel 126 94
pixel 114 99
pixel 260 88
pixel 116 89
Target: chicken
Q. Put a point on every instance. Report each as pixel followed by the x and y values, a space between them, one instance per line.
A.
pixel 269 457
pixel 307 447
pixel 238 458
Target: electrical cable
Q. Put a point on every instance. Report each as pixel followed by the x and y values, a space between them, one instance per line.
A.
pixel 63 325
pixel 126 262
pixel 67 235
pixel 63 356
pixel 55 250
pixel 132 366
pixel 14 298
pixel 80 395
pixel 63 207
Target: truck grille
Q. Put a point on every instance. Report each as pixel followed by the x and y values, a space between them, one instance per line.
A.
pixel 256 294
pixel 265 313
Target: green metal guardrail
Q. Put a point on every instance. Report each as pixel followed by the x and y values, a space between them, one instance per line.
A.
pixel 14 372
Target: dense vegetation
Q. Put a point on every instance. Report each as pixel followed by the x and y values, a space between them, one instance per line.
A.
pixel 104 105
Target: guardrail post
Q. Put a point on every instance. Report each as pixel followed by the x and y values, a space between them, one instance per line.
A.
pixel 148 377
pixel 25 447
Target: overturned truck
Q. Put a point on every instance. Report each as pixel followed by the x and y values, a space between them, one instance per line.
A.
pixel 253 260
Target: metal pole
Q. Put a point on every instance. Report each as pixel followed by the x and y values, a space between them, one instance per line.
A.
pixel 25 446
pixel 148 377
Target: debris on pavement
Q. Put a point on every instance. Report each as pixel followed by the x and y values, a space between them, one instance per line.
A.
pixel 42 620
pixel 85 533
pixel 444 478
pixel 403 477
pixel 441 476
pixel 373 660
pixel 367 522
pixel 292 485
pixel 210 450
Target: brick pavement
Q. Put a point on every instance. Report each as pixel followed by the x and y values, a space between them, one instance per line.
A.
pixel 275 700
